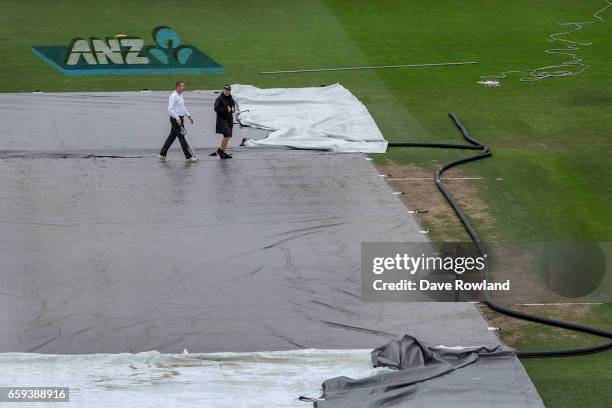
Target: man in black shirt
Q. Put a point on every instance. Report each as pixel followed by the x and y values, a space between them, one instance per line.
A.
pixel 225 108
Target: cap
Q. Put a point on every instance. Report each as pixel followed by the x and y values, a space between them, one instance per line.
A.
pixel 227 86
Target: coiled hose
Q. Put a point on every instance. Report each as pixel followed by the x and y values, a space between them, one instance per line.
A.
pixel 484 152
pixel 572 66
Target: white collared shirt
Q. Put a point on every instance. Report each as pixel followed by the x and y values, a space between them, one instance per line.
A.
pixel 176 105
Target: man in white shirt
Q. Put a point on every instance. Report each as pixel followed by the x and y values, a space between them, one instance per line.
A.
pixel 177 112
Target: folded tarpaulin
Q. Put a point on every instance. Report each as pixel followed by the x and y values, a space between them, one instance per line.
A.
pixel 322 118
pixel 413 362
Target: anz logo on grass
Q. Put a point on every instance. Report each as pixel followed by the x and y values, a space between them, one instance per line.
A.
pixel 123 55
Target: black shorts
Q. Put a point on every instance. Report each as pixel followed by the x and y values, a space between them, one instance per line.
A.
pixel 224 127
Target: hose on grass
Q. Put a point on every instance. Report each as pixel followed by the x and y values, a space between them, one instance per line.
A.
pixel 484 152
pixel 572 66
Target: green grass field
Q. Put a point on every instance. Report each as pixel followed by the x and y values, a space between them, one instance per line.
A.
pixel 551 139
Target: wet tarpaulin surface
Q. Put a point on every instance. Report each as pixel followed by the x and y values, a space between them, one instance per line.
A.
pixel 109 255
pixel 128 123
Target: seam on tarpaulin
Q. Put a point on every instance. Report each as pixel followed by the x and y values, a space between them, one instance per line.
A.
pixel 118 154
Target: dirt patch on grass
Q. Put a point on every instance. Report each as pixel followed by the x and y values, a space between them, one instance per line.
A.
pixel 515 330
pixel 420 193
pixel 508 261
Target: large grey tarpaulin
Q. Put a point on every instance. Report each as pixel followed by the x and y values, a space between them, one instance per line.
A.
pixel 128 254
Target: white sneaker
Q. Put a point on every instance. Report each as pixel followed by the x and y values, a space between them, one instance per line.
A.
pixel 161 158
pixel 192 160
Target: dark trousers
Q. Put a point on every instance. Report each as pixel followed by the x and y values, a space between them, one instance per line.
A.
pixel 175 131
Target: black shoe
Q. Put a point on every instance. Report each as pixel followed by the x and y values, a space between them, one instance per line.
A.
pixel 223 155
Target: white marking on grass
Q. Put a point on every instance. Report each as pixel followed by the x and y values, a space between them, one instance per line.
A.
pixel 560 304
pixel 489 83
pixel 441 64
pixel 431 178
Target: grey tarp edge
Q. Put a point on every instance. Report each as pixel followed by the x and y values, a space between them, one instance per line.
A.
pixel 413 362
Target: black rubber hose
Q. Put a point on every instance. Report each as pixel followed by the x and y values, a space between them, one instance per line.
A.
pixel 442 145
pixel 484 152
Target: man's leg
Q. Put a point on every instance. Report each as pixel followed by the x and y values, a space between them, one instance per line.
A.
pixel 187 150
pixel 193 154
pixel 182 139
pixel 174 132
pixel 221 150
pixel 225 142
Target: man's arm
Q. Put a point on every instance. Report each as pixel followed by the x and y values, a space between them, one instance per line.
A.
pixel 171 103
pixel 219 108
pixel 186 110
pixel 188 115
